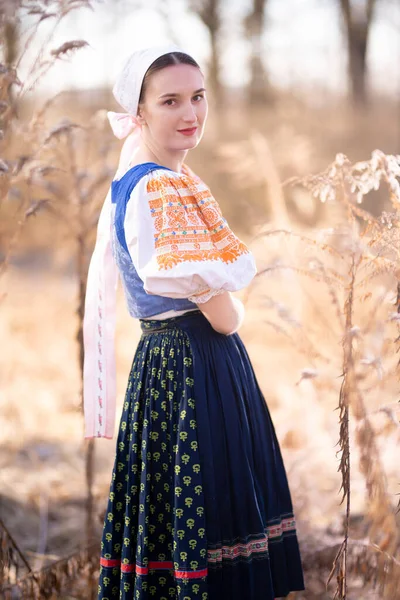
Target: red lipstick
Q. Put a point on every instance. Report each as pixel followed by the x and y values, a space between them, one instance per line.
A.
pixel 190 131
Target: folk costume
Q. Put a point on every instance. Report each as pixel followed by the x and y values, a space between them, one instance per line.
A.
pixel 199 506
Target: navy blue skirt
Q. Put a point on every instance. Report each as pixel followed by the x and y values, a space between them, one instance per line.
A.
pixel 199 506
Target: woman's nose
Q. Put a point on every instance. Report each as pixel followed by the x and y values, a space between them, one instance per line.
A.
pixel 189 114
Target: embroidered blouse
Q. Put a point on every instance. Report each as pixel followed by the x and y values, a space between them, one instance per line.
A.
pixel 180 244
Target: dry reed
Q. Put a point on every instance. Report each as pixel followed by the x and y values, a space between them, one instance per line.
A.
pixel 347 260
pixel 47 177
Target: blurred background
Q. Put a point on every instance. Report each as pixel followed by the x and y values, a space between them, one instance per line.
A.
pixel 292 84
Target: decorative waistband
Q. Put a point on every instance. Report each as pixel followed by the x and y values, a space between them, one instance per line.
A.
pixel 156 326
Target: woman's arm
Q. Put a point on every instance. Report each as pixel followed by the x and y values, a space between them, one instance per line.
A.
pixel 224 312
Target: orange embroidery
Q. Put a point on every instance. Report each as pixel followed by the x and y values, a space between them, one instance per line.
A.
pixel 189 225
pixel 188 171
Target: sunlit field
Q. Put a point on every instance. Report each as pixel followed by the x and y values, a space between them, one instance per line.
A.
pixel 313 189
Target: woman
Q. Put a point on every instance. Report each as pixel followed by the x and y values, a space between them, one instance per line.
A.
pixel 199 505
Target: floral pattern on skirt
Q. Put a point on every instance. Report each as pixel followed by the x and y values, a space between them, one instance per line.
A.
pixel 161 516
pixel 163 537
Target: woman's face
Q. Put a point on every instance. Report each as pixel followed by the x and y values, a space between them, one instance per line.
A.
pixel 175 108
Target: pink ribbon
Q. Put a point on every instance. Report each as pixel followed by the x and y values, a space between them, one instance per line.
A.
pixel 122 124
pixel 99 373
pixel 99 379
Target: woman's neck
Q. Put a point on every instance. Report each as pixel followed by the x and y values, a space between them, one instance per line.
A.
pixel 171 160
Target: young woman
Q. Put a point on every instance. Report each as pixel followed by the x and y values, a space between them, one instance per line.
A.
pixel 199 505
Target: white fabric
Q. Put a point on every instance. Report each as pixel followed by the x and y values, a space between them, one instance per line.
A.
pixel 134 70
pixel 99 377
pixel 196 280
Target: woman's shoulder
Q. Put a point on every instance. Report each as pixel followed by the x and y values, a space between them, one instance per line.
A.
pixel 151 179
pixel 160 178
pixel 188 172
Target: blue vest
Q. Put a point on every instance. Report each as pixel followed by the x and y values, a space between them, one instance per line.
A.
pixel 140 304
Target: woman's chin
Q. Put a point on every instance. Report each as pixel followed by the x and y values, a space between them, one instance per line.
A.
pixel 187 143
pixel 184 146
pixel 190 144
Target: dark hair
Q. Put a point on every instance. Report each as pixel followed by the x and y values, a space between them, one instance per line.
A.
pixel 166 60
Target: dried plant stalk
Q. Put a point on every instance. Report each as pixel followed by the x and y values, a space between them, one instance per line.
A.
pixel 27 178
pixel 347 261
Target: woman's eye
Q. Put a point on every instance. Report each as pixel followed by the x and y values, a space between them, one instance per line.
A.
pixel 172 101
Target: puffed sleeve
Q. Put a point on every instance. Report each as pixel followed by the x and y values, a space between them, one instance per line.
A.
pixel 179 242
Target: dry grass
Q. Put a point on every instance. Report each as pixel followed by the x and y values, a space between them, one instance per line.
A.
pixel 321 328
pixel 42 426
pixel 356 263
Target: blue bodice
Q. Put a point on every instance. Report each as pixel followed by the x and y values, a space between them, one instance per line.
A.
pixel 140 304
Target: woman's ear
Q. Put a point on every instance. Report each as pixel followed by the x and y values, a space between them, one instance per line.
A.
pixel 139 117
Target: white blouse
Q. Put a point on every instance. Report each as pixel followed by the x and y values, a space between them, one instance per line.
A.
pixel 179 242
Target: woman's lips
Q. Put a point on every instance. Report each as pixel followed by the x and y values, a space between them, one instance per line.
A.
pixel 190 131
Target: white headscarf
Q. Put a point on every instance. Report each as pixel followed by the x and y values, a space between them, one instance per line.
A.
pixel 99 377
